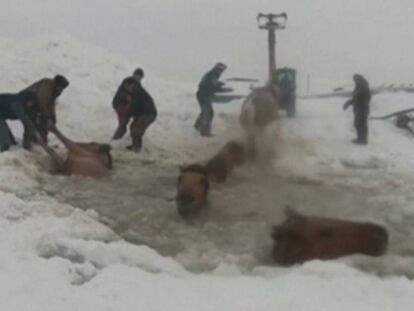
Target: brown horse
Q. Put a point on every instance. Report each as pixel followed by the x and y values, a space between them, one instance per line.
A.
pixel 85 159
pixel 301 238
pixel 258 111
pixel 220 166
pixel 192 190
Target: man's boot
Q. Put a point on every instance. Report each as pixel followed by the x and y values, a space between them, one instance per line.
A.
pixel 361 137
pixel 136 144
pixel 359 141
pixel 4 148
pixel 207 134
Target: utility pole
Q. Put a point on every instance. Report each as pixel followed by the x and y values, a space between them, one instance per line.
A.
pixel 272 22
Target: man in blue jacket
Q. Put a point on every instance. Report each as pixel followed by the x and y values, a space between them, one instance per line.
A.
pixel 207 88
pixel 20 106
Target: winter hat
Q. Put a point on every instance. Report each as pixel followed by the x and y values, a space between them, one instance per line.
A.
pixel 138 72
pixel 220 66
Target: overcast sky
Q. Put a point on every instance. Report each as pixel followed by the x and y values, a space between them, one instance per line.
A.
pixel 180 39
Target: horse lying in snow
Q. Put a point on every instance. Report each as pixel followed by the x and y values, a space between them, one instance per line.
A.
pixel 194 179
pixel 85 159
pixel 221 165
pixel 301 238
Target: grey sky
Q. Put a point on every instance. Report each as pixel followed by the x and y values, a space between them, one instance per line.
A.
pixel 180 39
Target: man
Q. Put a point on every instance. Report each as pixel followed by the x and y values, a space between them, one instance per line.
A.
pixel 360 102
pixel 21 106
pixel 207 88
pixel 47 91
pixel 133 101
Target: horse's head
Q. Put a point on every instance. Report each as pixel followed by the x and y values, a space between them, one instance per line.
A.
pixel 192 190
pixel 100 151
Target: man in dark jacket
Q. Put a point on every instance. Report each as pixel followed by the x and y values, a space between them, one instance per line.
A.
pixel 207 88
pixel 360 103
pixel 133 101
pixel 20 106
pixel 47 91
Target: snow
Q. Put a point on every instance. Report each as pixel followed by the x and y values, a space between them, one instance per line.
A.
pixel 55 257
pixel 66 241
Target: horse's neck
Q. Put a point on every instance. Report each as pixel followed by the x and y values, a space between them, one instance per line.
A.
pixel 273 89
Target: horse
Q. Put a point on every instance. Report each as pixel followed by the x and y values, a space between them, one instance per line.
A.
pixel 219 166
pixel 84 159
pixel 301 238
pixel 192 190
pixel 260 109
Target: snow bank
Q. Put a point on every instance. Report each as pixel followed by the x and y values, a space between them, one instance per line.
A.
pixel 55 257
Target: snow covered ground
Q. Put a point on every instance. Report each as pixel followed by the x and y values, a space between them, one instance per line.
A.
pixel 57 254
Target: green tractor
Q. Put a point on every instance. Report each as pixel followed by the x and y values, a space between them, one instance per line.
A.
pixel 285 79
